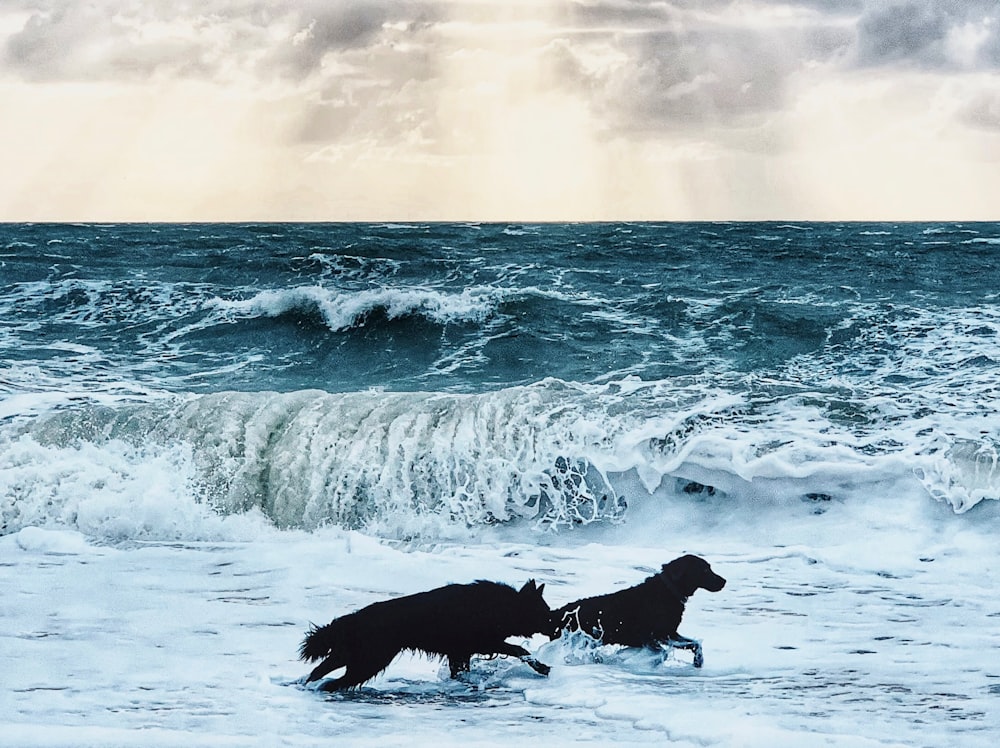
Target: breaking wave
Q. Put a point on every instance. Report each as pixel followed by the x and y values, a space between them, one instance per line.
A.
pixel 343 310
pixel 552 455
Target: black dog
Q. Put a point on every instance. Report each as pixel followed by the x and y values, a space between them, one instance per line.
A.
pixel 646 615
pixel 455 621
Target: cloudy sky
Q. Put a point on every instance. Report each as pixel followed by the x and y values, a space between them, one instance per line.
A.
pixel 499 109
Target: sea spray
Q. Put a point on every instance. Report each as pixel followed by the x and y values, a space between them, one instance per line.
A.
pixel 388 462
pixel 415 464
pixel 432 379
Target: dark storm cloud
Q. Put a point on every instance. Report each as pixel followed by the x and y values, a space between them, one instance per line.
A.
pixel 694 77
pixel 334 28
pixel 340 59
pixel 615 12
pixel 712 62
pixel 378 87
pixel 68 39
pixel 376 65
pixel 927 34
pixel 694 71
pixel 878 32
pixel 325 28
pixel 71 40
pixel 625 14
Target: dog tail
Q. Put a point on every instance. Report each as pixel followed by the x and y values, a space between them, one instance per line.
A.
pixel 319 642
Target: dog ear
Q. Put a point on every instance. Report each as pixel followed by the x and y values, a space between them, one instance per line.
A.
pixel 674 570
pixel 532 588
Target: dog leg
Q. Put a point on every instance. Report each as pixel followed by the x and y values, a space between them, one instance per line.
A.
pixel 539 667
pixel 524 656
pixel 682 642
pixel 458 664
pixel 330 664
pixel 360 671
pixel 336 684
pixel 354 676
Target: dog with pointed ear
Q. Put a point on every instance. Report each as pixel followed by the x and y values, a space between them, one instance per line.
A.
pixel 646 615
pixel 455 622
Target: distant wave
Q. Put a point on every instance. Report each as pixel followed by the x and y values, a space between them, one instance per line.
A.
pixel 343 310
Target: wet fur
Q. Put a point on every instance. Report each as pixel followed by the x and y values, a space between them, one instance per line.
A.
pixel 646 615
pixel 455 621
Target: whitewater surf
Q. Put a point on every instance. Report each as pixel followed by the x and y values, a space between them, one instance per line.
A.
pixel 213 435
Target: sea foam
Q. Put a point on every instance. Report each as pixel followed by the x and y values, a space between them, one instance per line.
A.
pixel 342 310
pixel 415 464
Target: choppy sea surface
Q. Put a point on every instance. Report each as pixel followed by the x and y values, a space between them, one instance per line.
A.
pixel 257 426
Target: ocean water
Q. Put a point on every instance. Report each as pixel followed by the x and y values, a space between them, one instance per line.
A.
pixel 211 435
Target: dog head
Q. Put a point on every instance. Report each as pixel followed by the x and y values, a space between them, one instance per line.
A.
pixel 689 573
pixel 533 611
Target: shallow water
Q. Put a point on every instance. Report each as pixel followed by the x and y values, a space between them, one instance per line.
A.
pixel 196 643
pixel 211 436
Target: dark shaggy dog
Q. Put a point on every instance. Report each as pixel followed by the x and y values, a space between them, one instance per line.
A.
pixel 646 615
pixel 455 621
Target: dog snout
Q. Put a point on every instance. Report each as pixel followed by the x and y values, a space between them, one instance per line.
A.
pixel 713 582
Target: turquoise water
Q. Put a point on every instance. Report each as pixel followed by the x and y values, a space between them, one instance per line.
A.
pixel 391 376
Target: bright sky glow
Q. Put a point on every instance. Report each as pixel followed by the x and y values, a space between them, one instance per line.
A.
pixel 479 110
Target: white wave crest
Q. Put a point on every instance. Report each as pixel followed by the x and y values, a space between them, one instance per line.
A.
pixel 964 474
pixel 111 490
pixel 408 465
pixel 342 310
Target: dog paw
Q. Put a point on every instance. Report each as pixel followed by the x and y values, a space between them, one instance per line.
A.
pixel 539 667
